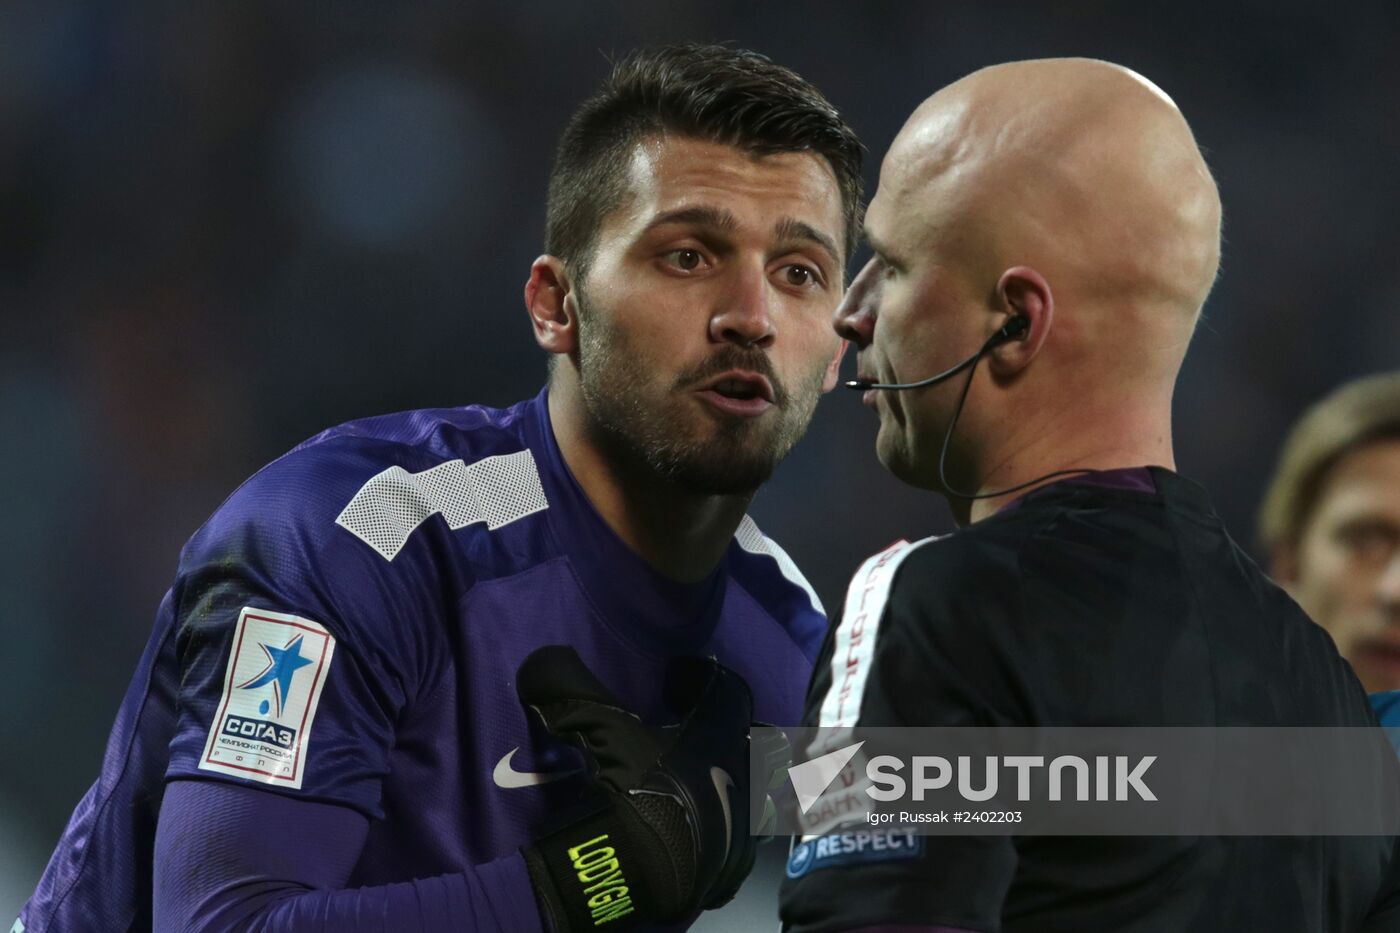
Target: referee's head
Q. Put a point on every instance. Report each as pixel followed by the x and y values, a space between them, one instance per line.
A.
pixel 1069 191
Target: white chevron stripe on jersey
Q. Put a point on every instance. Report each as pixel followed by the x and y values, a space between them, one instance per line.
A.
pixel 853 648
pixel 755 542
pixel 497 490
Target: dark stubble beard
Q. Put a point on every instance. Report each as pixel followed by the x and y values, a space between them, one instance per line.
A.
pixel 649 421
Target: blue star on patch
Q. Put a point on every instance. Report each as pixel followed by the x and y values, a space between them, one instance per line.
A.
pixel 282 665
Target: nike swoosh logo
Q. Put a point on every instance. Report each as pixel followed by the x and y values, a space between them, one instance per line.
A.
pixel 507 777
pixel 722 784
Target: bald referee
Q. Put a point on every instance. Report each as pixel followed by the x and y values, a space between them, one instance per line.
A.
pixel 1045 234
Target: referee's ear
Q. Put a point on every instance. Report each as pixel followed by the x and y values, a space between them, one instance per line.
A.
pixel 1023 292
pixel 552 305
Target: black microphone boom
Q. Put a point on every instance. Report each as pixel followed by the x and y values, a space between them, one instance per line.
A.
pixel 863 384
pixel 1012 330
pixel 1015 329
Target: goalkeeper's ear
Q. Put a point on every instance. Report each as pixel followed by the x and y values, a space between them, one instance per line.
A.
pixel 551 300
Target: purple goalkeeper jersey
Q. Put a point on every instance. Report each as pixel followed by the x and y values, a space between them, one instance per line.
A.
pixel 346 629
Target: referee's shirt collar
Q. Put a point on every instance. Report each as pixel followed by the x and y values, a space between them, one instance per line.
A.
pixel 1149 480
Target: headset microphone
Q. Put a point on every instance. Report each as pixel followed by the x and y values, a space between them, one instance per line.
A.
pixel 1014 329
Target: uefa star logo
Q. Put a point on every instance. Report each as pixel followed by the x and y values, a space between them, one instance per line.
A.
pixel 282 665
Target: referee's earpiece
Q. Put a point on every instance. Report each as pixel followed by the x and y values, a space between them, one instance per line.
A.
pixel 1014 329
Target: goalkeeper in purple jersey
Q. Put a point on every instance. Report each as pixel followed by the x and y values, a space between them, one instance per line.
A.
pixel 334 725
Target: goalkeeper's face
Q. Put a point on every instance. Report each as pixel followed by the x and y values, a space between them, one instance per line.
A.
pixel 704 335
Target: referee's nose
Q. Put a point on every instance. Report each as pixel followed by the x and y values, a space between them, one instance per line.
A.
pixel 854 319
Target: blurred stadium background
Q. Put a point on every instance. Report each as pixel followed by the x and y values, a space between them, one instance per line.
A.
pixel 224 226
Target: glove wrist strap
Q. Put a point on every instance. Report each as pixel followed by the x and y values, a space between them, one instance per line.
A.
pixel 584 875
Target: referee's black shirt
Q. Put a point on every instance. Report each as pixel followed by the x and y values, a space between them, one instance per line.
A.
pixel 1088 604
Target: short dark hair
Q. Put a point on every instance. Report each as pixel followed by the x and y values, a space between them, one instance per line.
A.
pixel 725 95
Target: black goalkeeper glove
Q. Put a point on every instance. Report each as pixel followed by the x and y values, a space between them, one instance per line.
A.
pixel 665 827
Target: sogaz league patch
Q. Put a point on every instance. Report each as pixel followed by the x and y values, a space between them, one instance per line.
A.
pixel 884 845
pixel 276 670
